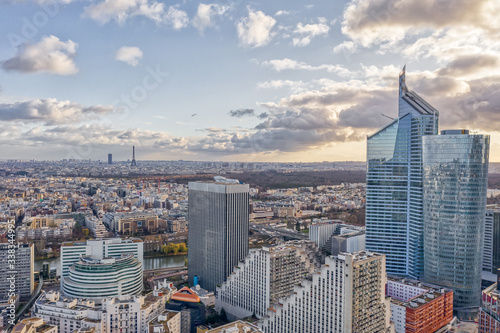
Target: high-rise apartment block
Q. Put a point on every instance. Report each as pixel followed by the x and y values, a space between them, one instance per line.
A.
pixel 455 174
pixel 394 190
pixel 345 295
pixel 218 230
pixel 265 276
pixel 417 307
pixel 98 249
pixel 489 313
pixel 17 259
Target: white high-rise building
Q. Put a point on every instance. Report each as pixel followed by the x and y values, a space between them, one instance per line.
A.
pixel 346 295
pixel 265 276
pixel 17 259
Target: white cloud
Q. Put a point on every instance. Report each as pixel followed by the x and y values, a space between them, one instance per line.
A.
pixel 121 10
pixel 50 55
pixel 289 64
pixel 255 30
pixel 206 13
pixel 129 54
pixel 306 32
pixel 282 12
pixel 177 18
pixel 347 46
pixel 295 86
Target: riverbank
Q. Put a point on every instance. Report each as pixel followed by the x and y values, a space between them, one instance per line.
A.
pixel 162 254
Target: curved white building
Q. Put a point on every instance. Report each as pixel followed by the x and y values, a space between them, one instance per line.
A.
pixel 102 278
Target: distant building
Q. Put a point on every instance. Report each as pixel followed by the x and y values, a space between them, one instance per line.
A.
pixel 110 158
pixel 17 259
pixel 265 276
pixel 455 177
pixel 394 189
pixel 347 242
pixel 320 232
pixel 418 307
pixel 218 230
pixel 346 295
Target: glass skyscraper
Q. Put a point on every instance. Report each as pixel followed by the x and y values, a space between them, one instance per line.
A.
pixel 394 202
pixel 455 185
pixel 218 230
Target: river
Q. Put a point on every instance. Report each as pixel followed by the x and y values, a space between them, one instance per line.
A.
pixel 149 263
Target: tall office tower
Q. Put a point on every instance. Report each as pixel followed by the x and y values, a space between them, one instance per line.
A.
pixel 394 216
pixel 21 264
pixel 491 244
pixel 346 295
pixel 265 276
pixel 97 249
pixel 110 158
pixel 455 184
pixel 218 230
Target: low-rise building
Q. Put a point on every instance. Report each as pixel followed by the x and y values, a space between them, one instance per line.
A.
pixel 168 321
pixel 417 307
pixel 34 325
pixel 489 313
pixel 238 326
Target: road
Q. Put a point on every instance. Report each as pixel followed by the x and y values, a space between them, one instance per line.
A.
pixel 278 232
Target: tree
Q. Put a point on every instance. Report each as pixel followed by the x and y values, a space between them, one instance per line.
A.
pixel 183 247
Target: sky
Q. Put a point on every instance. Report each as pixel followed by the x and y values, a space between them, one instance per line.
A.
pixel 256 81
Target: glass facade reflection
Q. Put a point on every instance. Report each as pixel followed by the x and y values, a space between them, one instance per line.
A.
pixel 455 184
pixel 394 202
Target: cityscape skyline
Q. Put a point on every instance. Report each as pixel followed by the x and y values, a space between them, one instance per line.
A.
pixel 317 78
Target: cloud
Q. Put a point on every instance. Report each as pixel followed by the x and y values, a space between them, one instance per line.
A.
pixel 51 112
pixel 373 21
pixel 177 18
pixel 50 55
pixel 121 10
pixel 469 64
pixel 129 54
pixel 278 84
pixel 289 64
pixel 282 12
pixel 241 112
pixel 306 32
pixel 345 46
pixel 206 13
pixel 255 30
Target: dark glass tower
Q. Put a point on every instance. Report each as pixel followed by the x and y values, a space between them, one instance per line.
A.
pixel 218 230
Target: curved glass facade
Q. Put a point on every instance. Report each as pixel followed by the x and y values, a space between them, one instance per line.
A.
pixel 90 278
pixel 455 184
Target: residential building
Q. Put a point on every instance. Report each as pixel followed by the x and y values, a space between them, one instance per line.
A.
pixel 167 322
pixel 263 277
pixel 455 182
pixel 17 259
pixel 345 295
pixel 101 278
pixel 96 226
pixel 98 249
pixel 347 242
pixel 33 325
pixel 320 232
pixel 218 230
pixel 238 326
pixel 489 313
pixel 125 314
pixel 418 307
pixel 394 190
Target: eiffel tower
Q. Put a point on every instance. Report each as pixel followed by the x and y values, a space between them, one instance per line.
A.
pixel 133 157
